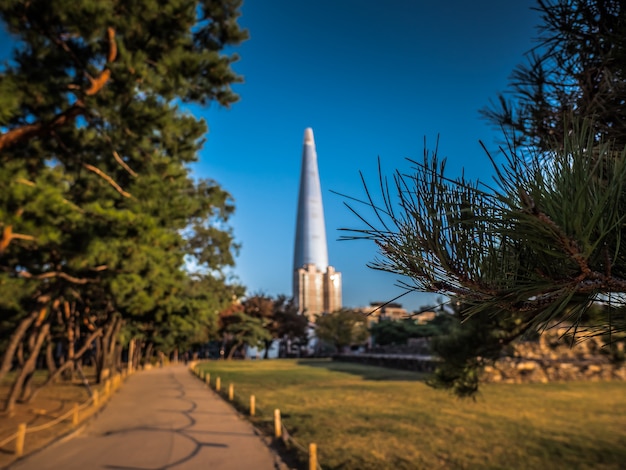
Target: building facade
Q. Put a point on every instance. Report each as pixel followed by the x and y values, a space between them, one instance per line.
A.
pixel 316 284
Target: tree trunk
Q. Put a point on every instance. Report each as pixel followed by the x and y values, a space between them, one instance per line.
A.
pixel 231 353
pixel 99 358
pixel 28 379
pixel 130 361
pixel 138 355
pixel 29 367
pixel 115 349
pixel 71 340
pixel 52 367
pixel 67 364
pixel 14 342
pixel 106 348
pixel 148 355
pixel 118 356
pixel 20 354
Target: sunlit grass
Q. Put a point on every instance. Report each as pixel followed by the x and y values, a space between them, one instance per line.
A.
pixel 374 418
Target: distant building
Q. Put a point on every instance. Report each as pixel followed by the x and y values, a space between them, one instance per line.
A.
pixel 424 317
pixel 378 311
pixel 316 285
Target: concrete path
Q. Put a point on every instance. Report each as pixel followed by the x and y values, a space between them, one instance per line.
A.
pixel 160 419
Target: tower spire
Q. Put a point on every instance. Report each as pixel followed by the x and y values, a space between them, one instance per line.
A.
pixel 310 246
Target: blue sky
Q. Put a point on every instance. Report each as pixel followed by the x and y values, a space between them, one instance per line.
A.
pixel 372 79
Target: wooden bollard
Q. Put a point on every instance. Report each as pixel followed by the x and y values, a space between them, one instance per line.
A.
pixel 252 405
pixel 96 398
pixel 218 383
pixel 75 415
pixel 19 440
pixel 312 456
pixel 207 379
pixel 231 392
pixel 277 427
pixel 107 387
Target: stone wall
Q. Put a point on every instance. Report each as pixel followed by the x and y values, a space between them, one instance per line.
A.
pixel 552 358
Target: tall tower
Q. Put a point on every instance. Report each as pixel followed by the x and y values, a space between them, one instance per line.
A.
pixel 316 285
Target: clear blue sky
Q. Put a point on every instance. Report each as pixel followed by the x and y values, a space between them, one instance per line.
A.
pixel 372 79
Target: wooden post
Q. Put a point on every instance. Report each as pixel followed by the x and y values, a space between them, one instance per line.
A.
pixel 19 440
pixel 277 427
pixel 312 456
pixel 96 398
pixel 218 383
pixel 252 405
pixel 231 392
pixel 107 387
pixel 75 415
pixel 207 378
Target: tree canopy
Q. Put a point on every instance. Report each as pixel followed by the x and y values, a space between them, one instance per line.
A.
pixel 99 213
pixel 259 320
pixel 542 244
pixel 342 328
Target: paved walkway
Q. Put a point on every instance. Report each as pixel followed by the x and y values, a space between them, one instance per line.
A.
pixel 160 419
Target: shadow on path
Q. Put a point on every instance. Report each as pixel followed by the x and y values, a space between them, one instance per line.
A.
pixel 182 431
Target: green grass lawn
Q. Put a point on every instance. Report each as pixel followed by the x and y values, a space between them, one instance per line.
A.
pixel 365 418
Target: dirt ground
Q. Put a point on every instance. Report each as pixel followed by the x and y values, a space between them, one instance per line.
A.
pixel 52 402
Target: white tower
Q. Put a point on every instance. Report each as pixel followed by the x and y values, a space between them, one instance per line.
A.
pixel 316 285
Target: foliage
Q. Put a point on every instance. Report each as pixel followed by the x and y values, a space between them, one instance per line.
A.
pixel 577 69
pixel 100 214
pixel 290 324
pixel 278 316
pixel 543 244
pixel 342 328
pixel 387 332
pixel 245 330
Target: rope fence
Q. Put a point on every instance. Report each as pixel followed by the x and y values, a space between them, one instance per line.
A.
pixel 96 400
pixel 280 430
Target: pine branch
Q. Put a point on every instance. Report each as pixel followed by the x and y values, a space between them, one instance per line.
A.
pixel 119 160
pixel 38 129
pixel 107 178
pixel 53 274
pixel 8 235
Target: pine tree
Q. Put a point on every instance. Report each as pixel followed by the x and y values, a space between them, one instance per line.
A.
pixel 543 245
pixel 99 212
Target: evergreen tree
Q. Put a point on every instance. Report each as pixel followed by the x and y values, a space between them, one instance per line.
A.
pixel 99 212
pixel 544 244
